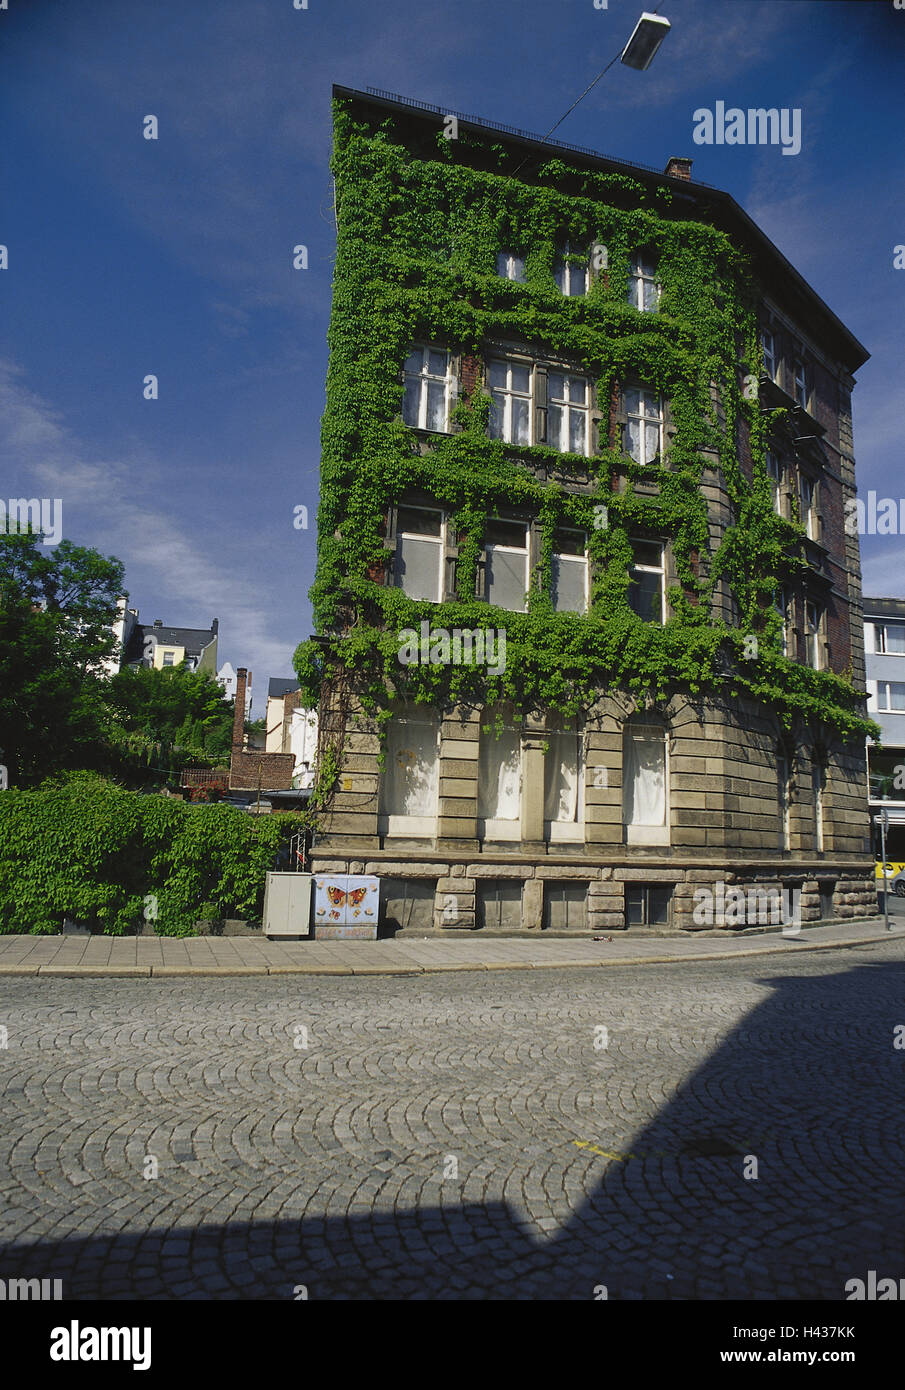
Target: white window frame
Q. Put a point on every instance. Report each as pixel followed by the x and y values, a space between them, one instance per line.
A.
pixel 783 605
pixel 564 405
pixel 884 697
pixel 556 831
pixel 508 550
pixel 648 834
pixel 420 826
pixel 777 475
pixel 881 640
pixel 637 279
pixel 818 785
pixel 424 377
pixel 509 394
pixel 770 359
pixel 807 501
pixel 439 541
pixel 572 560
pixel 652 569
pixel 813 634
pixel 645 393
pixel 784 798
pixel 510 266
pixel 800 382
pixel 565 273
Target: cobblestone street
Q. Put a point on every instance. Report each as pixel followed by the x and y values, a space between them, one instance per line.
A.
pixel 510 1134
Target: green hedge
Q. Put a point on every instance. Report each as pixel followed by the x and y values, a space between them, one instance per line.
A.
pixel 85 848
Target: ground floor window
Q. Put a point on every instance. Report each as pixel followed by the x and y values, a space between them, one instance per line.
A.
pixel 498 904
pixel 408 904
pixel 411 781
pixel 565 906
pixel 647 904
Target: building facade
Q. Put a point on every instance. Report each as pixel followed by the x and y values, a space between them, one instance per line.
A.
pixel 884 634
pixel 589 648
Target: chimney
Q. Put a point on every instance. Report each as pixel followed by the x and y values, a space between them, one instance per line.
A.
pixel 239 716
pixel 678 167
pixel 215 626
pixel 158 622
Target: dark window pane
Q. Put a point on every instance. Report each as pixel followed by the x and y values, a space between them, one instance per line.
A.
pixel 417 522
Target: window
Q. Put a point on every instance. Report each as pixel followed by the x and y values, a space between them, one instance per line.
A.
pixel 500 784
pixel 808 497
pixel 408 904
pixel 570 572
pixel 567 412
pixel 784 797
pixel 644 424
pixel 411 780
pixel 419 553
pixel 498 904
pixel 643 290
pixel 890 638
pixel 646 588
pixel 565 906
pixel 644 782
pixel 818 784
pixel 571 277
pixel 891 695
pixel 813 622
pixel 510 389
pixel 647 904
pixel 783 605
pixel 563 784
pixel 169 658
pixel 428 388
pixel 510 266
pixel 775 474
pixel 506 564
pixel 800 383
pixel 768 347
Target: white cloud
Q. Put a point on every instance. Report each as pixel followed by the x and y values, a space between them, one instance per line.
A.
pixel 172 562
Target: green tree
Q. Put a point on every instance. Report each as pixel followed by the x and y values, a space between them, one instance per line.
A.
pixel 57 607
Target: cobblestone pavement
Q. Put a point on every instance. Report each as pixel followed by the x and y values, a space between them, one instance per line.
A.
pixel 511 1134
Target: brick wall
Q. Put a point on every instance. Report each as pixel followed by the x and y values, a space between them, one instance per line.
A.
pixel 273 769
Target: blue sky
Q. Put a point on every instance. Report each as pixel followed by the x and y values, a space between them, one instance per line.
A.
pixel 173 257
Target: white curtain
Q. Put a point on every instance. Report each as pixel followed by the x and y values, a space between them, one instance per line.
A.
pixel 412 777
pixel 561 766
pixel 500 776
pixel 644 775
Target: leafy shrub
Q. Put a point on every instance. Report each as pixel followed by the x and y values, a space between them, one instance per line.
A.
pixel 83 847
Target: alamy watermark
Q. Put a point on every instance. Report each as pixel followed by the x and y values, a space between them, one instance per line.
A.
pixel 750 906
pixel 874 516
pixel 758 125
pixel 40 515
pixel 31 1290
pixel 438 646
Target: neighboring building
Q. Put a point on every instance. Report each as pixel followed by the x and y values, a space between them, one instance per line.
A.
pixel 884 645
pixel 260 773
pixel 575 410
pixel 155 644
pixel 227 678
pixel 291 729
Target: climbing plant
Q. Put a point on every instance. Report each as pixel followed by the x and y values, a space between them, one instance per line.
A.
pixel 419 234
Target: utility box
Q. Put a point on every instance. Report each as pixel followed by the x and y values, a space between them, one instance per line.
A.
pixel 346 907
pixel 287 904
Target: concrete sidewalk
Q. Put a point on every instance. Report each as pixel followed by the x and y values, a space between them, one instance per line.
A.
pixel 108 956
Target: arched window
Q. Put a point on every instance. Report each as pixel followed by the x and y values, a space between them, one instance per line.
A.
pixel 645 780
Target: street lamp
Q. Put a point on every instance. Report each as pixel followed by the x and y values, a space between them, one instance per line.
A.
pixel 649 33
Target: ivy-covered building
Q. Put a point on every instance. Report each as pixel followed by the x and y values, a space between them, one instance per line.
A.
pixel 589 645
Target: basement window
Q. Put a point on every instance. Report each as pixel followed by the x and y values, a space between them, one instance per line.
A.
pixel 498 904
pixel 565 906
pixel 647 904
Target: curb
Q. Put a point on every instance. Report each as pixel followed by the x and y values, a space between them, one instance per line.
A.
pixel 81 971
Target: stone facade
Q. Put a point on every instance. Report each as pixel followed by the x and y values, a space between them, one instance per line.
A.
pixel 759 819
